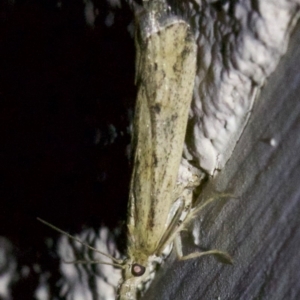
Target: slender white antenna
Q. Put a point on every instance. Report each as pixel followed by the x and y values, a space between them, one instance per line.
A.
pixel 93 262
pixel 118 263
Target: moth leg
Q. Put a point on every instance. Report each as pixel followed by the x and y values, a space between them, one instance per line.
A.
pixel 196 210
pixel 219 255
pixel 176 226
pixel 178 247
pixel 171 231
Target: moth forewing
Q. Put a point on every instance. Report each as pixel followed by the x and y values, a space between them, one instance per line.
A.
pixel 168 60
pixel 166 66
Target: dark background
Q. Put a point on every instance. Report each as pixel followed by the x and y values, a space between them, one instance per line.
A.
pixel 61 83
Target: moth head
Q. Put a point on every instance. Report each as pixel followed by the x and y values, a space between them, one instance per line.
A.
pixel 137 270
pixel 137 263
pixel 134 268
pixel 134 274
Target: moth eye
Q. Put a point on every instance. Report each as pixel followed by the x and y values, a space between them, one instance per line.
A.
pixel 137 270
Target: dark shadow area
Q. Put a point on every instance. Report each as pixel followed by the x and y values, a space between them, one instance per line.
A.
pixel 66 97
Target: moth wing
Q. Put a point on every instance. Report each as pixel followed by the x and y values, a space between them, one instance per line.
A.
pixel 166 66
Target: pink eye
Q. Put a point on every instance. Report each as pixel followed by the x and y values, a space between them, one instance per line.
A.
pixel 137 270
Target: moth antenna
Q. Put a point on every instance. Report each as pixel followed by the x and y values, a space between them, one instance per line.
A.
pixel 118 262
pixel 93 262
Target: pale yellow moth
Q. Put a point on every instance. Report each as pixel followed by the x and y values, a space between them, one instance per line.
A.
pixel 165 74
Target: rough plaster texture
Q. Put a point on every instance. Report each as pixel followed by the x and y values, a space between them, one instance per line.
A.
pixel 239 45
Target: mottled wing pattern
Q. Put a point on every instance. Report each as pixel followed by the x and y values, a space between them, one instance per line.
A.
pixel 166 63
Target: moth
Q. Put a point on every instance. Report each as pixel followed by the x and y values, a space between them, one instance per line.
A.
pixel 159 206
